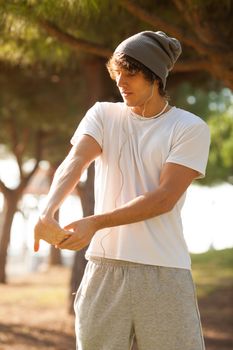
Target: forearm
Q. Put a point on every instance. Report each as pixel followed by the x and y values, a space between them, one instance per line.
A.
pixel 69 172
pixel 65 179
pixel 141 208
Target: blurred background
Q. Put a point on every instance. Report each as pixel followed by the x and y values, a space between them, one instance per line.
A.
pixel 52 69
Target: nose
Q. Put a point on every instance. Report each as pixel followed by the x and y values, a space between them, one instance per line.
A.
pixel 121 80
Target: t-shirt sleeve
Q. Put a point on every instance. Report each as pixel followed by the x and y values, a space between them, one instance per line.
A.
pixel 91 124
pixel 191 148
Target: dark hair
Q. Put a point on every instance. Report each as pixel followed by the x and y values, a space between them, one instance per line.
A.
pixel 133 66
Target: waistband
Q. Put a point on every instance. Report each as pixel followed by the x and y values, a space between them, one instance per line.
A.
pixel 115 262
pixel 124 263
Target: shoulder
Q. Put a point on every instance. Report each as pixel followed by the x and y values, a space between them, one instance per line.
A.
pixel 187 118
pixel 107 113
pixel 101 110
pixel 108 106
pixel 183 120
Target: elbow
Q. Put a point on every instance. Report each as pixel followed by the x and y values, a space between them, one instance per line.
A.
pixel 167 202
pixel 166 206
pixel 170 206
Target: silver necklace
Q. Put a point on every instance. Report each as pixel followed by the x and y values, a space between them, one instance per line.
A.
pixel 148 118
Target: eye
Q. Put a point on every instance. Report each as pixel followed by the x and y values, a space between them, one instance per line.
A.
pixel 116 72
pixel 131 73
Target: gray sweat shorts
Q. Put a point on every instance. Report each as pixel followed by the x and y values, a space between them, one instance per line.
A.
pixel 119 300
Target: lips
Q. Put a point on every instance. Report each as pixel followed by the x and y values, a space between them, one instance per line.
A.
pixel 126 93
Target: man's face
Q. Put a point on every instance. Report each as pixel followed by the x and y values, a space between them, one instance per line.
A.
pixel 134 88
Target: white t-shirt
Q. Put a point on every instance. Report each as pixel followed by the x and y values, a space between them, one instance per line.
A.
pixel 133 154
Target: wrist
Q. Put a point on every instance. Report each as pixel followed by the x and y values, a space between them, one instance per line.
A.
pixel 99 221
pixel 47 213
pixel 46 217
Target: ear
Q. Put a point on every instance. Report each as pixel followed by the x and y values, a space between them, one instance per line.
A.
pixel 156 86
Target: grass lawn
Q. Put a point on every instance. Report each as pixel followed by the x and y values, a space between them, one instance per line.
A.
pixel 212 270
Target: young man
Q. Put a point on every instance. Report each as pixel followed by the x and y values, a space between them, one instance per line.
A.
pixel 137 281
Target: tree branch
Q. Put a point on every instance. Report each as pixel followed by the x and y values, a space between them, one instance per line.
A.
pixel 192 65
pixel 156 21
pixel 38 157
pixel 75 43
pixel 194 17
pixel 3 188
pixel 15 144
pixel 25 138
pixel 182 8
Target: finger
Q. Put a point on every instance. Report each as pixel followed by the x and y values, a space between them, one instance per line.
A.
pixel 64 239
pixel 36 245
pixel 73 244
pixel 73 247
pixel 66 244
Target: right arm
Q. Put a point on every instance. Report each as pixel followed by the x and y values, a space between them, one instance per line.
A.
pixel 69 173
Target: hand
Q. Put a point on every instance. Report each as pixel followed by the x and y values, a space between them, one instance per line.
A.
pixel 83 231
pixel 49 230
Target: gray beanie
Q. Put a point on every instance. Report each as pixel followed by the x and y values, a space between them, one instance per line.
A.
pixel 155 50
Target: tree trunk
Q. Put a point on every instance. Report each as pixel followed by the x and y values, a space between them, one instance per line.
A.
pixel 87 200
pixel 10 207
pixel 55 258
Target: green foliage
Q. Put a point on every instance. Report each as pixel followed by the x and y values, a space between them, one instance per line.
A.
pixel 215 107
pixel 212 270
pixel 23 43
pixel 214 259
pixel 103 22
pixel 220 165
pixel 48 103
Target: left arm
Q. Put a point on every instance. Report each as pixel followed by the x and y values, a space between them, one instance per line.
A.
pixel 174 180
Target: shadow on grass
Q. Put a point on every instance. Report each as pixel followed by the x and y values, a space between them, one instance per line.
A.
pixel 212 343
pixel 217 319
pixel 40 338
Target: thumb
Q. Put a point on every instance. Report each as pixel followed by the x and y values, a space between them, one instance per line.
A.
pixel 71 226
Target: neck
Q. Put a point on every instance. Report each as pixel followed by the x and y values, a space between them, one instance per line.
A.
pixel 151 108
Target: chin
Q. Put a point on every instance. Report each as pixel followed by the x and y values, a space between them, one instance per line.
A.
pixel 129 103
